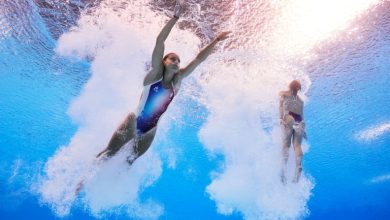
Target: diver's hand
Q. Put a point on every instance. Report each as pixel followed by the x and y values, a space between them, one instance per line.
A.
pixel 304 135
pixel 283 123
pixel 223 35
pixel 177 10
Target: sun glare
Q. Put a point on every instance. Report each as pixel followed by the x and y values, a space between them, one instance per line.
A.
pixel 305 23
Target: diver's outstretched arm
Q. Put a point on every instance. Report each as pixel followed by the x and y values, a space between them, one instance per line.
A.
pixel 158 51
pixel 202 55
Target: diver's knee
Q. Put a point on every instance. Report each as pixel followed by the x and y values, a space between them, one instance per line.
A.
pixel 131 115
pixel 127 122
pixel 129 118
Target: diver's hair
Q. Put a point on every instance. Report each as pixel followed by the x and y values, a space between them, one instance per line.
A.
pixel 295 85
pixel 168 54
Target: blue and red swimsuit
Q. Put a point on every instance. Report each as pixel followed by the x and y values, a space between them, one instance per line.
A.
pixel 154 102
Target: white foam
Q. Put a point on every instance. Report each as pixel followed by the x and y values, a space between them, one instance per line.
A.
pixel 119 38
pixel 242 126
pixel 380 179
pixel 241 95
pixel 15 170
pixel 239 89
pixel 373 132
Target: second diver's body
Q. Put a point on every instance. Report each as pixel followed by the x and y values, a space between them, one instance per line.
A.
pixel 293 126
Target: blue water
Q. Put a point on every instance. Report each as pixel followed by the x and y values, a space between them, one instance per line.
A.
pixel 348 94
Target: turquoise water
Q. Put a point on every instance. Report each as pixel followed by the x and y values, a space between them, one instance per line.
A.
pixel 216 152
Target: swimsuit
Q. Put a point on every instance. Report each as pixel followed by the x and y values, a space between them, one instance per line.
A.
pixel 297 117
pixel 154 102
pixel 293 103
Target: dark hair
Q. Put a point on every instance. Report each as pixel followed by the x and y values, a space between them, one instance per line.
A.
pixel 295 85
pixel 168 54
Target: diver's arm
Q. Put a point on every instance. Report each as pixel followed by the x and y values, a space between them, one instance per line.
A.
pixel 158 51
pixel 304 124
pixel 281 109
pixel 302 104
pixel 202 55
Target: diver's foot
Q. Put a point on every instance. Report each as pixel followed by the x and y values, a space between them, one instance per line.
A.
pixel 297 176
pixel 130 159
pixel 79 187
pixel 283 179
pixel 102 155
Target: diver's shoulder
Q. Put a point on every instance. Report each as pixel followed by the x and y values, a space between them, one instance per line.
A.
pixel 300 99
pixel 284 94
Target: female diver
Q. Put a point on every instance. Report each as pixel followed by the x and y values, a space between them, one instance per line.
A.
pixel 161 85
pixel 293 126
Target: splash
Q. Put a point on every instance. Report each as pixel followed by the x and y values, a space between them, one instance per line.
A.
pixel 240 94
pixel 239 87
pixel 242 105
pixel 373 132
pixel 118 36
pixel 380 179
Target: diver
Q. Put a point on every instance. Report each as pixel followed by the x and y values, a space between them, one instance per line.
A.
pixel 293 127
pixel 161 85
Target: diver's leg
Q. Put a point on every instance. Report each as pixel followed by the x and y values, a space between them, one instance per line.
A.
pixel 297 141
pixel 287 133
pixel 124 133
pixel 141 145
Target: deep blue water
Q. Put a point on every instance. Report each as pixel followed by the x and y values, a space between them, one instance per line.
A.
pixel 37 87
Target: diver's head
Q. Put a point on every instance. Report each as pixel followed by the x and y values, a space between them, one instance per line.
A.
pixel 294 86
pixel 171 62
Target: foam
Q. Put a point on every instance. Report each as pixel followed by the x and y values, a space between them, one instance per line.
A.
pixel 239 89
pixel 380 179
pixel 373 132
pixel 241 95
pixel 118 39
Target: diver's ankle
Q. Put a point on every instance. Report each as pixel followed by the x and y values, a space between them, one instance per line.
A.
pixel 298 172
pixel 130 159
